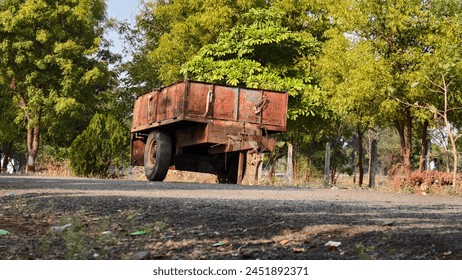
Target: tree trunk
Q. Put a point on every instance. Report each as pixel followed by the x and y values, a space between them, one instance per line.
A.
pixel 33 133
pixel 360 135
pixel 454 170
pixel 405 136
pixel 353 164
pixel 452 142
pixel 423 147
pixel 33 140
pixel 309 157
pixel 448 169
pixel 271 172
pixel 407 158
pixel 294 156
pixel 6 156
pixel 271 163
pixel 402 140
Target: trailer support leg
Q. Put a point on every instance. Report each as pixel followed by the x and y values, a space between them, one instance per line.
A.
pixel 252 168
pixel 240 167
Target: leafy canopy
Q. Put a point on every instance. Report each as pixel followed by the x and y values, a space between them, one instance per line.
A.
pixel 169 33
pixel 262 52
pixel 353 78
pixel 52 61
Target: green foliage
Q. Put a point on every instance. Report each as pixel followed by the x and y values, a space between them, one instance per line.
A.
pixel 400 50
pixel 54 62
pixel 310 16
pixel 415 39
pixel 353 78
pixel 102 144
pixel 9 131
pixel 309 135
pixel 262 53
pixel 171 32
pixel 48 51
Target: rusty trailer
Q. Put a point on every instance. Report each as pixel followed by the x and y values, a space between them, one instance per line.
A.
pixel 206 128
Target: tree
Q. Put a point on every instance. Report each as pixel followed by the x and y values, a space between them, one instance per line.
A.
pixel 442 114
pixel 354 82
pixel 268 49
pixel 398 32
pixel 104 143
pixel 51 61
pixel 440 72
pixel 262 53
pixel 169 33
pixel 9 130
pixel 443 74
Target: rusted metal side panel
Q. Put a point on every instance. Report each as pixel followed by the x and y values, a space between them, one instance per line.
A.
pixel 137 152
pixel 216 133
pixel 135 116
pixel 162 103
pixel 197 94
pixel 140 113
pixel 249 100
pixel 152 106
pixel 202 103
pixel 253 143
pixel 191 136
pixel 179 96
pixel 225 103
pixel 163 106
pixel 234 128
pixel 274 111
pixel 167 105
pixel 170 102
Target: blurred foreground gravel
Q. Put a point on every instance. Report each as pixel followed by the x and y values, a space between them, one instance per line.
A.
pixel 74 218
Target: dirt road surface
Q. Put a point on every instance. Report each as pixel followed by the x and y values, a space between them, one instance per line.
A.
pixel 73 218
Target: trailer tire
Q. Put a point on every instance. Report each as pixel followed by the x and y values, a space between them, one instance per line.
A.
pixel 157 155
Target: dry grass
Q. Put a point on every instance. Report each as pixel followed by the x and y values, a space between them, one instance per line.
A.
pixel 54 168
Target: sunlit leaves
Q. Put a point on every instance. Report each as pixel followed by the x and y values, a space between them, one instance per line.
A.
pixel 354 78
pixel 261 52
pixel 172 32
pixel 407 35
pixel 50 61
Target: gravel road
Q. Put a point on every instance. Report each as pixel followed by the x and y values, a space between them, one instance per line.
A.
pixel 119 219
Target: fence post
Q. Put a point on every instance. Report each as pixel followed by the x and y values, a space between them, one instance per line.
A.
pixel 290 171
pixel 427 156
pixel 373 164
pixel 327 166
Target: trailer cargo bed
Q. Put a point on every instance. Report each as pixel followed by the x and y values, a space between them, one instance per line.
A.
pixel 205 122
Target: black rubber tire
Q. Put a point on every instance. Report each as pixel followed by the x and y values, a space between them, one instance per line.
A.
pixel 157 155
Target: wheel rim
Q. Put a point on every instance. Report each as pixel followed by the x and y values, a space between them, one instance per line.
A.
pixel 152 154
